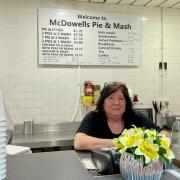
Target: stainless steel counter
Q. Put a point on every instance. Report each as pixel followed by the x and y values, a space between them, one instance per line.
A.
pixel 45 139
pixel 46 135
pixel 59 165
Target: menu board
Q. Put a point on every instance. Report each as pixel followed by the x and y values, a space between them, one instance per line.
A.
pixel 75 37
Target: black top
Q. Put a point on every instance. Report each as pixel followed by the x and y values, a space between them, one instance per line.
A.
pixel 95 124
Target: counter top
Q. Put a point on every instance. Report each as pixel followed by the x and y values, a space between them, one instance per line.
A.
pixel 46 135
pixel 64 165
pixel 45 139
pixel 59 165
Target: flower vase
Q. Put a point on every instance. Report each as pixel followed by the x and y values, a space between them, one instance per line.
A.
pixel 133 169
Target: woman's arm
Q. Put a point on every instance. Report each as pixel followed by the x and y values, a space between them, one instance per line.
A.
pixel 85 142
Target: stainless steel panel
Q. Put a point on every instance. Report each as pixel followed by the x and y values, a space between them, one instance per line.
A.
pixel 46 135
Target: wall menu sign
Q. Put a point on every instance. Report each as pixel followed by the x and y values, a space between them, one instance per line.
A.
pixel 75 37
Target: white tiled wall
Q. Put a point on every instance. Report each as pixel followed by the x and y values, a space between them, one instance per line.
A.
pixel 50 93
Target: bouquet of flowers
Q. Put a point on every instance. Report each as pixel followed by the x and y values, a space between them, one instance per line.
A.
pixel 145 144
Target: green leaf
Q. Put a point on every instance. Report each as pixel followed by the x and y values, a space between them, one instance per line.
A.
pixel 163 159
pixel 158 140
pixel 161 151
pixel 145 135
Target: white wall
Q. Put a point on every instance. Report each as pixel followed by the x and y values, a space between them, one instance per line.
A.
pixel 50 93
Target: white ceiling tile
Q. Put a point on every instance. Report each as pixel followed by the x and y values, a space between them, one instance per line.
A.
pixel 98 1
pixel 83 0
pixel 140 2
pixel 126 2
pixel 177 5
pixel 169 3
pixel 112 1
pixel 154 3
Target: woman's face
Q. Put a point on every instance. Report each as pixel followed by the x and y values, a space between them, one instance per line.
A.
pixel 115 104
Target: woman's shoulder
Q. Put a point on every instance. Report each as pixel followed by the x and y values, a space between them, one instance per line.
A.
pixel 94 114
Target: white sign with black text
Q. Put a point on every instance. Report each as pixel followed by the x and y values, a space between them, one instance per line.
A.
pixel 75 37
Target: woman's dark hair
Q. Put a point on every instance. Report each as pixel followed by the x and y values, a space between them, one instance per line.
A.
pixel 110 88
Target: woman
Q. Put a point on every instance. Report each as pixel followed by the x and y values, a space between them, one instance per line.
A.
pixel 113 114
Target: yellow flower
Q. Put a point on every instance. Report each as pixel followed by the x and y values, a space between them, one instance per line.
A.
pixel 165 143
pixel 169 154
pixel 128 132
pixel 138 130
pixel 133 141
pixel 151 133
pixel 148 150
pixel 151 145
pixel 117 143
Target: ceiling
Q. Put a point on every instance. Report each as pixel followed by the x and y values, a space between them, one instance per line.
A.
pixel 146 3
